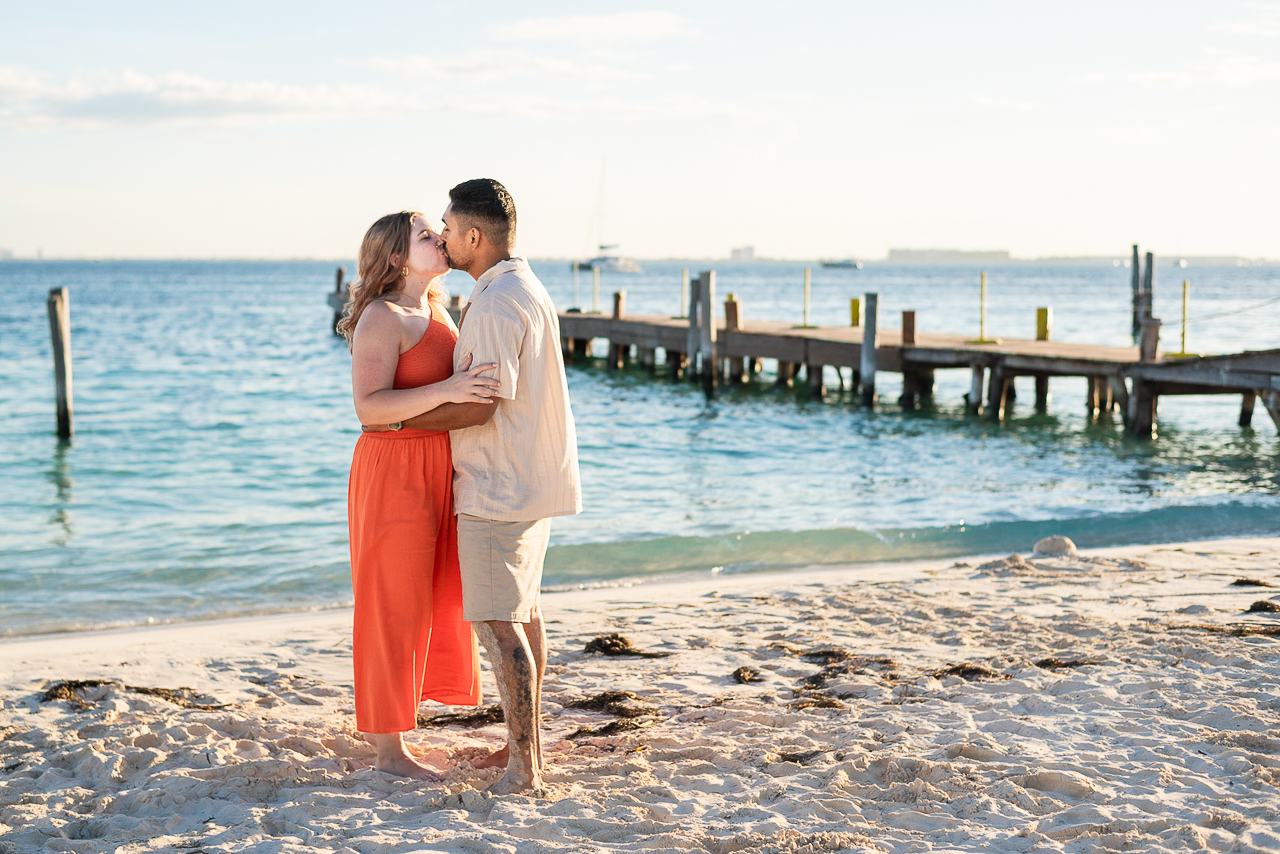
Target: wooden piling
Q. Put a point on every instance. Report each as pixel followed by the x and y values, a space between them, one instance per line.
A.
pixel 786 373
pixel 1246 408
pixel 574 267
pixel 1136 281
pixel 707 330
pixel 59 306
pixel 1042 393
pixel 814 373
pixel 973 400
pixel 595 290
pixel 338 299
pixel 619 305
pixel 1142 409
pixel 855 312
pixel 692 335
pixel 870 340
pixel 806 297
pixel 1120 396
pixel 1149 339
pixel 1271 401
pixel 910 376
pixel 1044 323
pixel 997 391
pixel 736 371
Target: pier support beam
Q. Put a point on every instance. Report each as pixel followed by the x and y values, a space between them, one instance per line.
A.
pixel 786 373
pixel 1271 400
pixel 870 340
pixel 676 363
pixel 1246 407
pixel 997 392
pixel 1042 393
pixel 814 374
pixel 1142 409
pixel 973 400
pixel 707 330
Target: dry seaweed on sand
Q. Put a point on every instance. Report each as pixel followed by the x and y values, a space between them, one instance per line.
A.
pixel 816 701
pixel 614 727
pixel 745 675
pixel 474 719
pixel 623 704
pixel 826 656
pixel 969 670
pixel 69 690
pixel 1263 606
pixel 1251 582
pixel 615 644
pixel 799 757
pixel 1239 630
pixel 1053 663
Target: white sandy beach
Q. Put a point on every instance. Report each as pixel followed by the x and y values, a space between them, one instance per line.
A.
pixel 1139 729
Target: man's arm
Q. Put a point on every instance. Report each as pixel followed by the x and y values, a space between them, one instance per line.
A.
pixel 453 416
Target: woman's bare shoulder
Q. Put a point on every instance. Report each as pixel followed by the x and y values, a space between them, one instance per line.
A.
pixel 380 320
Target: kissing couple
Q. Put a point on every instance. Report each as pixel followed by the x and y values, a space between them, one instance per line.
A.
pixel 467 451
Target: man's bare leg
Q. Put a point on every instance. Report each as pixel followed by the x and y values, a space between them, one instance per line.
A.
pixel 536 633
pixel 516 675
pixel 394 759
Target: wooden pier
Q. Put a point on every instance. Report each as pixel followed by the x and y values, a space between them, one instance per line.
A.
pixel 728 350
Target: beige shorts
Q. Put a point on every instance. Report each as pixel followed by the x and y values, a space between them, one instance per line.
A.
pixel 501 567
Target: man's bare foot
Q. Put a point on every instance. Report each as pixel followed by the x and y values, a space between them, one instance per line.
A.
pixel 403 766
pixel 508 784
pixel 497 759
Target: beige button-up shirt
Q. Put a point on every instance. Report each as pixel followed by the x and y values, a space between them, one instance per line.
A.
pixel 523 464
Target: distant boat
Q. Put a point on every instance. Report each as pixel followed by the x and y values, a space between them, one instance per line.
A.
pixel 608 263
pixel 843 264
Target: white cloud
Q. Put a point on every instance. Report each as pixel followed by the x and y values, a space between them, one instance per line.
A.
pixel 129 98
pixel 591 30
pixel 503 65
pixel 1222 68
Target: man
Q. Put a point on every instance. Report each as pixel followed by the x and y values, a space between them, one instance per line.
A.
pixel 515 461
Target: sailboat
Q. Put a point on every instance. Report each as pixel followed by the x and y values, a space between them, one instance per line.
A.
pixel 608 260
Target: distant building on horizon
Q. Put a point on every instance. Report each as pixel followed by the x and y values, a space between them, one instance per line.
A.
pixel 744 254
pixel 948 256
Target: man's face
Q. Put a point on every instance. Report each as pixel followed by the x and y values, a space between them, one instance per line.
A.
pixel 457 241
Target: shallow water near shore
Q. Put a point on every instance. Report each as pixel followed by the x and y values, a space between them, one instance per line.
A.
pixel 214 430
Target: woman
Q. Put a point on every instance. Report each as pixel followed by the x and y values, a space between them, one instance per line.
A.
pixel 410 642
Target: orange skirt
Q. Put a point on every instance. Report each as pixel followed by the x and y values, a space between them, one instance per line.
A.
pixel 409 642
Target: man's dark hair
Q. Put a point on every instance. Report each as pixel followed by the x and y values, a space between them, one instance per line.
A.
pixel 487 205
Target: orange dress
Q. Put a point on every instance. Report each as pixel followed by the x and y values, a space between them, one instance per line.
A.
pixel 410 642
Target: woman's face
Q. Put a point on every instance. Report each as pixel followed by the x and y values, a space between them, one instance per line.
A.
pixel 426 252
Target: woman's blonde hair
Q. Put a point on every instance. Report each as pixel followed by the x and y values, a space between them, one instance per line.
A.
pixel 378 275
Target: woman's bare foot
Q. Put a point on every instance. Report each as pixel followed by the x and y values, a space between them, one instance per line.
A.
pixel 497 759
pixel 393 758
pixel 403 766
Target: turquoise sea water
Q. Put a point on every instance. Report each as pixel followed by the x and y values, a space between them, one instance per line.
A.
pixel 214 431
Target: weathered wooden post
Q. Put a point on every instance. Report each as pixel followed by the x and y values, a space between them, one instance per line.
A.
pixel 574 267
pixel 973 400
pixel 910 377
pixel 59 306
pixel 684 291
pixel 786 373
pixel 618 352
pixel 806 297
pixel 1143 400
pixel 1044 332
pixel 855 312
pixel 1136 280
pixel 870 340
pixel 1246 407
pixel 338 299
pixel 814 374
pixel 692 335
pixel 732 323
pixel 997 390
pixel 595 289
pixel 707 330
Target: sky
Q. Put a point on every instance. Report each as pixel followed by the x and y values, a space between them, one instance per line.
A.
pixel 804 129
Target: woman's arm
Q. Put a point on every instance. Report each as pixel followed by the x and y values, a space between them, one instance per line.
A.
pixel 375 353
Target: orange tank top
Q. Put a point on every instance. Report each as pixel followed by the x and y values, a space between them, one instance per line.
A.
pixel 430 360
